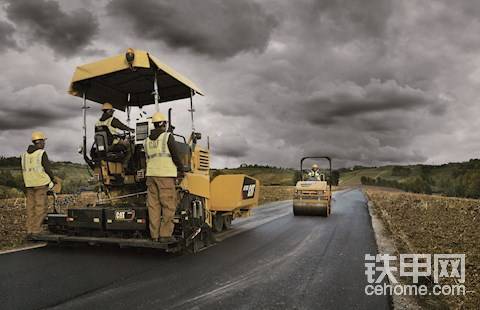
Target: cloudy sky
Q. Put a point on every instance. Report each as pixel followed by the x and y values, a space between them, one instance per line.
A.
pixel 367 82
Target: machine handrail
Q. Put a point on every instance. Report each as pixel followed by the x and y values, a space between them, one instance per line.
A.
pixel 319 157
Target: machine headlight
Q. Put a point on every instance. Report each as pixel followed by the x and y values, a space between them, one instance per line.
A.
pixel 130 56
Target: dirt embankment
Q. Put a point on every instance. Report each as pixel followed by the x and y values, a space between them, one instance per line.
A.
pixel 275 193
pixel 435 225
pixel 13 217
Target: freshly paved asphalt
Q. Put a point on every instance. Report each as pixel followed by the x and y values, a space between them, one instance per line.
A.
pixel 272 260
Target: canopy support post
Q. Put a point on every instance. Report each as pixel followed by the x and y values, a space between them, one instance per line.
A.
pixel 84 146
pixel 84 110
pixel 192 109
pixel 128 109
pixel 155 92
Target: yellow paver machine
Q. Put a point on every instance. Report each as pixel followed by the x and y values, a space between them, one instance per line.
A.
pixel 119 216
pixel 313 193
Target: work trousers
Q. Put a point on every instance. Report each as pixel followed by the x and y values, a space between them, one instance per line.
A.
pixel 37 205
pixel 161 203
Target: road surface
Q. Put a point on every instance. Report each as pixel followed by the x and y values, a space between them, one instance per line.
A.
pixel 272 260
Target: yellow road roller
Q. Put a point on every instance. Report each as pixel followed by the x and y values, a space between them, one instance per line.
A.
pixel 313 193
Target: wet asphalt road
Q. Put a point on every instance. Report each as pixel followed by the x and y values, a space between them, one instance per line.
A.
pixel 272 260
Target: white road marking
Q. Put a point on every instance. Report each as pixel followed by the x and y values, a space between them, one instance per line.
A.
pixel 25 248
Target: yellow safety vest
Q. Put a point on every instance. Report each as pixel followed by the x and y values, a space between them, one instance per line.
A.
pixel 314 174
pixel 113 130
pixel 33 172
pixel 159 159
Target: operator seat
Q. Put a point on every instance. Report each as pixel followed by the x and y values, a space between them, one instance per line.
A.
pixel 104 147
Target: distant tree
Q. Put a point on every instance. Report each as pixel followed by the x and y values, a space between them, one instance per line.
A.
pixel 216 172
pixel 368 181
pixel 335 178
pixel 10 162
pixel 472 184
pixel 399 171
pixel 297 176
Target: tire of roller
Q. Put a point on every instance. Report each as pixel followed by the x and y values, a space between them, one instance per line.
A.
pixel 312 211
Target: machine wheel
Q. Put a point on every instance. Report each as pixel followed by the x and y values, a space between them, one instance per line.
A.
pixel 217 224
pixel 325 212
pixel 227 221
pixel 318 211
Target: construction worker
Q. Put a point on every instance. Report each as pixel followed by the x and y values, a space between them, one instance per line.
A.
pixel 314 173
pixel 38 177
pixel 163 163
pixel 114 125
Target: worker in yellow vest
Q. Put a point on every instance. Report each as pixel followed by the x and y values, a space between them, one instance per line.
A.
pixel 38 177
pixel 114 126
pixel 162 165
pixel 112 123
pixel 314 174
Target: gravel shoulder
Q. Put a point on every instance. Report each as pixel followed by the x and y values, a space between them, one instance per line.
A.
pixel 418 223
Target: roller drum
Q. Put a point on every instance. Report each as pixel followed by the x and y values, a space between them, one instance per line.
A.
pixel 310 210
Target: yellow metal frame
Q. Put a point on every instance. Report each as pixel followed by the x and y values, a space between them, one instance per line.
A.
pixel 226 193
pixel 118 63
pixel 197 184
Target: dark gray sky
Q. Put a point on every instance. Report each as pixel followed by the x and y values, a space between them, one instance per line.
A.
pixel 367 82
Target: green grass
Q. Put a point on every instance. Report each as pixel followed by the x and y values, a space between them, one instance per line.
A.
pixel 453 179
pixel 352 178
pixel 74 176
pixel 266 176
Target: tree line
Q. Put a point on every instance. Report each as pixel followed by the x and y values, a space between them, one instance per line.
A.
pixel 453 179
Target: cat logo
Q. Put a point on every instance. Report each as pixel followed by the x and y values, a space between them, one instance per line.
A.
pixel 249 186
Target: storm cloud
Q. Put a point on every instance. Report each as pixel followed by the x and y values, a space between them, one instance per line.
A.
pixel 44 22
pixel 371 83
pixel 32 107
pixel 6 36
pixel 215 28
pixel 349 100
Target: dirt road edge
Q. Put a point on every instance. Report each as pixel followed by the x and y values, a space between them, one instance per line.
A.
pixel 386 245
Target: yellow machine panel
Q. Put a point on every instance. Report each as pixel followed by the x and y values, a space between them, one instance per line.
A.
pixel 201 161
pixel 312 185
pixel 197 184
pixel 233 192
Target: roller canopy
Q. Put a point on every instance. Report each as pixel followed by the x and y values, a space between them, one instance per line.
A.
pixel 112 79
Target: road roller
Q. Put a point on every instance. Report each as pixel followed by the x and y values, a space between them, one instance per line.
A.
pixel 313 193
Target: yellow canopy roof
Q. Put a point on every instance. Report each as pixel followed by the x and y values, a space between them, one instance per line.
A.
pixel 112 80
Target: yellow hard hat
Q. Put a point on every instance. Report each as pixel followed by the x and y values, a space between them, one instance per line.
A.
pixel 314 166
pixel 107 106
pixel 38 135
pixel 159 117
